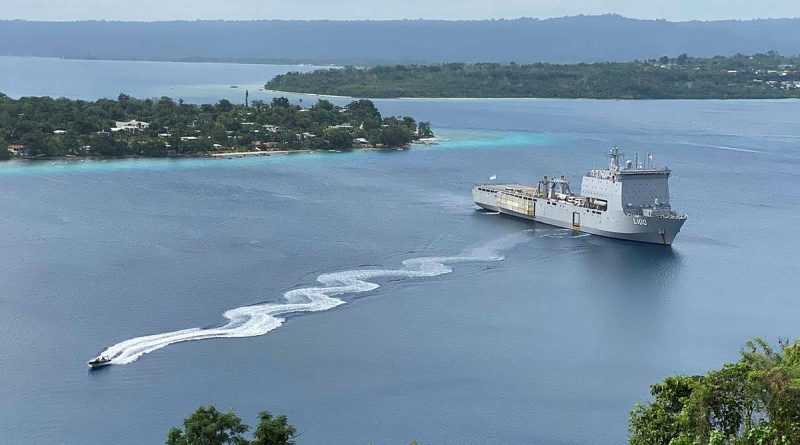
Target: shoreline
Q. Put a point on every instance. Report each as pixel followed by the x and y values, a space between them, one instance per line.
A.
pixel 216 155
pixel 430 98
pixel 242 154
pixel 333 65
pixel 178 157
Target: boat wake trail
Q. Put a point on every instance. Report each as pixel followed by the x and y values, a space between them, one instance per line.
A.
pixel 250 321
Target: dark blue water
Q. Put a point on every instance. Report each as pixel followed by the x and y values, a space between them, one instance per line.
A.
pixel 552 345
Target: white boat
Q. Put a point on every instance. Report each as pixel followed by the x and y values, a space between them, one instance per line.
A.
pixel 99 361
pixel 428 141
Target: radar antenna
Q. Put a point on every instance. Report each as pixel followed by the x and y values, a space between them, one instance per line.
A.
pixel 614 156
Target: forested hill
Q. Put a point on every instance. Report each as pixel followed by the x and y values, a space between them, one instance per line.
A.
pixel 562 40
pixel 762 76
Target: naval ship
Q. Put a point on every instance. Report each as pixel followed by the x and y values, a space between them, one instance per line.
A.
pixel 628 200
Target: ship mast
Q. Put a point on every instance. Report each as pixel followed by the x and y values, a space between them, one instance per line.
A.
pixel 614 155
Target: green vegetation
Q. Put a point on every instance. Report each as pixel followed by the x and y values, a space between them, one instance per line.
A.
pixel 46 127
pixel 755 401
pixel 739 77
pixel 207 426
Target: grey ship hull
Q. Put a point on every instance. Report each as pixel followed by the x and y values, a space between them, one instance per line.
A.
pixel 612 224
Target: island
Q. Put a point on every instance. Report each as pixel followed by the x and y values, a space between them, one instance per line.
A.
pixel 44 127
pixel 760 76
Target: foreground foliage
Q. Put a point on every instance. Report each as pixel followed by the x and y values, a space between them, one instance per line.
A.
pixel 755 401
pixel 207 426
pixel 759 76
pixel 47 127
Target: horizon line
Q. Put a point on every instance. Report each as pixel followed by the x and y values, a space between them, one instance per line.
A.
pixel 495 19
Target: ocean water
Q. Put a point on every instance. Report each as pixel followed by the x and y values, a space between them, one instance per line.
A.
pixel 93 79
pixel 391 309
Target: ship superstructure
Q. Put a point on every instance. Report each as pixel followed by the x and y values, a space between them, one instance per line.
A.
pixel 628 200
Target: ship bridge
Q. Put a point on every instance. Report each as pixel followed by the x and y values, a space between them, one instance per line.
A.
pixel 630 185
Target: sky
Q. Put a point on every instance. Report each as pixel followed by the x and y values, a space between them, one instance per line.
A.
pixel 149 10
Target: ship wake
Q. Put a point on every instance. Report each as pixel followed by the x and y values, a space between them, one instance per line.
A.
pixel 259 319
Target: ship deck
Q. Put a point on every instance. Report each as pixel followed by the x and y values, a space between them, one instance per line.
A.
pixel 521 190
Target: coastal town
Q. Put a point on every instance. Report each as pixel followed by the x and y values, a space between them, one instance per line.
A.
pixel 34 128
pixel 770 69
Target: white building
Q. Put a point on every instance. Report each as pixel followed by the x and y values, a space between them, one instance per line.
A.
pixel 133 125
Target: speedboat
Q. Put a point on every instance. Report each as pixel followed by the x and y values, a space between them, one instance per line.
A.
pixel 99 361
pixel 428 141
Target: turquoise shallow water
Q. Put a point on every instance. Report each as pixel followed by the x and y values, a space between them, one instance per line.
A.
pixel 68 166
pixel 451 139
pixel 553 344
pixel 480 139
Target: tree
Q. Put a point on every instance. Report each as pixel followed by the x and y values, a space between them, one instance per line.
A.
pixel 224 106
pixel 657 423
pixel 364 111
pixel 682 59
pixel 409 122
pixel 338 139
pixel 755 401
pixel 207 426
pixel 218 134
pixel 424 129
pixel 273 430
pixel 395 136
pixel 258 104
pixel 35 143
pixel 280 102
pixel 324 104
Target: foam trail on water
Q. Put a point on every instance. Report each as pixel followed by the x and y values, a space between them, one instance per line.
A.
pixel 250 321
